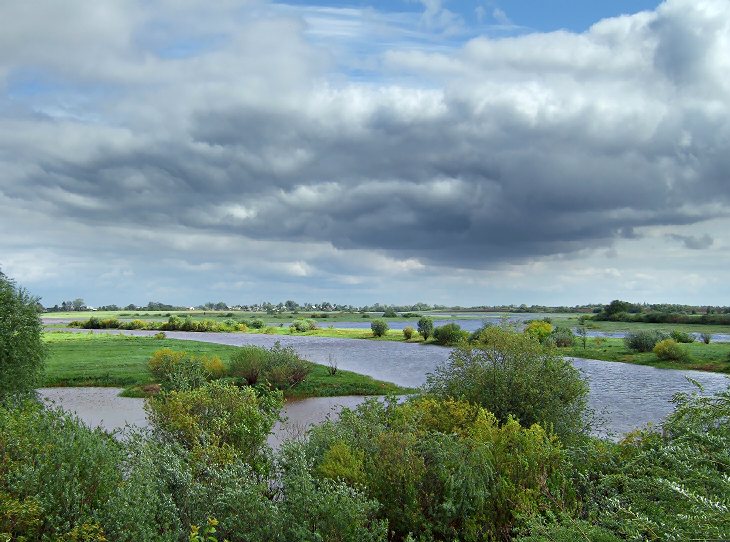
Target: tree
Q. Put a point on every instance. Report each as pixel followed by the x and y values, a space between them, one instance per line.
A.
pixel 425 327
pixel 512 374
pixel 78 304
pixel 21 350
pixel 379 327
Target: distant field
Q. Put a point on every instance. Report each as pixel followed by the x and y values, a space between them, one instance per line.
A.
pixel 703 357
pixel 84 359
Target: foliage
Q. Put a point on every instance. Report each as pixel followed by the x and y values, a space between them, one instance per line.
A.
pixel 669 486
pixel 303 325
pixel 644 340
pixel 22 353
pixel 279 366
pixel 390 313
pixel 450 334
pixel 669 350
pixel 512 374
pixel 179 370
pixel 218 421
pixel 706 337
pixel 539 329
pixel 408 333
pixel 425 327
pixel 379 327
pixel 55 473
pixel 441 469
pixel 562 337
pixel 682 336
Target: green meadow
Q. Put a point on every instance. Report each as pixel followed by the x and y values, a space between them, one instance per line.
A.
pixel 85 359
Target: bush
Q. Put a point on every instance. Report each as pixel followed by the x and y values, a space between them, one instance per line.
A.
pixel 179 370
pixel 217 422
pixel 22 353
pixel 669 350
pixel 706 337
pixel 512 374
pixel 539 329
pixel 682 337
pixel 279 366
pixel 441 469
pixel 379 327
pixel 563 337
pixel 643 341
pixel 390 313
pixel 250 363
pixel 425 327
pixel 450 334
pixel 257 324
pixel 408 332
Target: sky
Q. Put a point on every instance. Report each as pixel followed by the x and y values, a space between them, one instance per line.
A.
pixel 448 152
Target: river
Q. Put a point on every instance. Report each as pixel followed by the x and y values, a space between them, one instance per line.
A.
pixel 624 396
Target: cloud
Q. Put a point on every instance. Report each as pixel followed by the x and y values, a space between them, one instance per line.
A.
pixel 694 243
pixel 235 131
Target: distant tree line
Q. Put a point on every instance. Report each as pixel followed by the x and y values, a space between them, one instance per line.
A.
pixel 624 311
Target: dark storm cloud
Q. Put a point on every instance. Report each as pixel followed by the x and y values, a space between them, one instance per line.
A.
pixel 527 147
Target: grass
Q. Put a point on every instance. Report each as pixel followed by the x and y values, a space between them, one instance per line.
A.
pixel 85 359
pixel 713 357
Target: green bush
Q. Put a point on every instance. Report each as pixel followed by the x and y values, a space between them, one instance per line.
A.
pixel 379 327
pixel 55 473
pixel 563 337
pixel 257 324
pixel 643 341
pixel 179 370
pixel 682 336
pixel 539 329
pixel 440 469
pixel 22 353
pixel 706 337
pixel 217 422
pixel 512 374
pixel 279 366
pixel 250 363
pixel 425 327
pixel 390 313
pixel 669 350
pixel 408 333
pixel 450 334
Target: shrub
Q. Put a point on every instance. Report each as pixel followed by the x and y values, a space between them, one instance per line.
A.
pixel 563 337
pixel 22 353
pixel 249 362
pixel 441 469
pixel 669 350
pixel 408 332
pixel 425 327
pixel 643 341
pixel 539 329
pixel 379 327
pixel 390 313
pixel 706 337
pixel 218 421
pixel 512 374
pixel 179 370
pixel 449 334
pixel 257 324
pixel 682 336
pixel 280 366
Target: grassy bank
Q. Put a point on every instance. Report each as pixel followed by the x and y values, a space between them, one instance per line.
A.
pixel 85 359
pixel 713 357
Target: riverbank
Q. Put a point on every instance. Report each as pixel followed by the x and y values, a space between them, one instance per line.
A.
pixel 96 359
pixel 713 357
